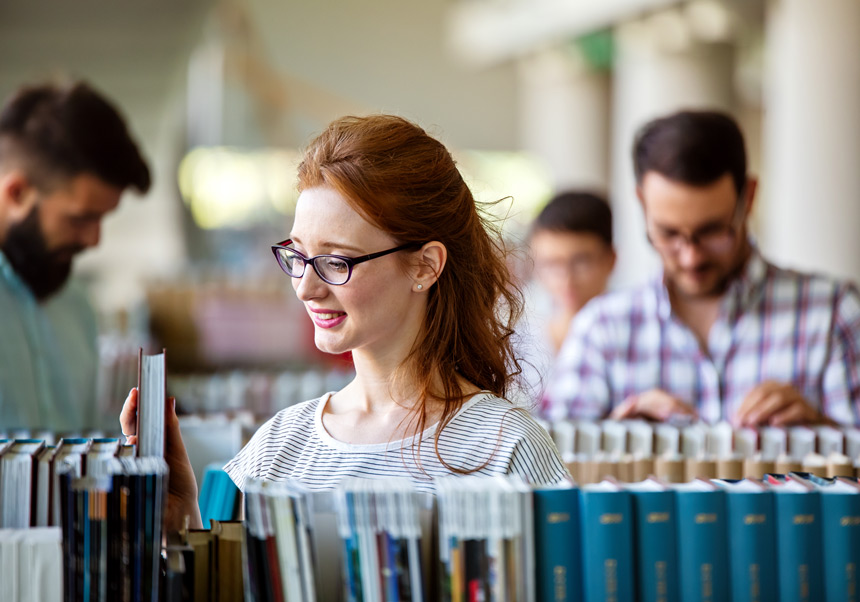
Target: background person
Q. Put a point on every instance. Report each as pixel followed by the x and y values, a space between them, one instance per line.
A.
pixel 393 263
pixel 721 333
pixel 66 157
pixel 570 245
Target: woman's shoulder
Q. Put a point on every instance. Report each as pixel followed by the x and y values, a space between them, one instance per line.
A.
pixel 490 411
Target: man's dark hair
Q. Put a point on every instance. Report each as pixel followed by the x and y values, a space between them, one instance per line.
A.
pixel 59 132
pixel 580 212
pixel 692 147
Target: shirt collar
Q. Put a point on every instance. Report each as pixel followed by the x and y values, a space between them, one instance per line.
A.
pixel 9 276
pixel 742 292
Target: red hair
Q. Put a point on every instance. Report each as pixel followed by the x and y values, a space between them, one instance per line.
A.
pixel 407 184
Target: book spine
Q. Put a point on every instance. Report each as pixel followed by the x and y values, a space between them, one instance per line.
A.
pixel 607 536
pixel 557 545
pixel 752 563
pixel 798 537
pixel 840 517
pixel 702 545
pixel 655 541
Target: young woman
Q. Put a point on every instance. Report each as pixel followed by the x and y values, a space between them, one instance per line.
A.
pixel 393 262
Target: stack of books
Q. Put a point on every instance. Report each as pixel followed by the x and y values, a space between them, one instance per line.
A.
pixel 381 532
pixel 29 475
pixel 205 565
pixel 486 543
pixel 112 530
pixel 629 451
pixel 278 542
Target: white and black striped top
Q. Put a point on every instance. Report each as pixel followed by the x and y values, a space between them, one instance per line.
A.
pixel 295 445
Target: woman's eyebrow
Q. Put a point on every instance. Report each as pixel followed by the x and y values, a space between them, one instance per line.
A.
pixel 327 244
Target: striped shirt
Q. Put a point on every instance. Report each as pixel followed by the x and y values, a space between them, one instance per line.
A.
pixel 774 324
pixel 295 445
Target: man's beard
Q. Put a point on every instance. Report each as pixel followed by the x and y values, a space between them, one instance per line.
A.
pixel 41 269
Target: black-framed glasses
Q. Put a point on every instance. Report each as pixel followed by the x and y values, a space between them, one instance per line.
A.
pixel 333 269
pixel 714 240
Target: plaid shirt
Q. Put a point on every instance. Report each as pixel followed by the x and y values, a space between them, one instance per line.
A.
pixel 774 324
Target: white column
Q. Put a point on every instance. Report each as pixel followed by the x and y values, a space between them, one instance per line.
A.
pixel 812 136
pixel 659 68
pixel 564 117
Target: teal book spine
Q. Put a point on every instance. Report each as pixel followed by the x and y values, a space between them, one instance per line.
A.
pixel 655 544
pixel 607 546
pixel 702 545
pixel 752 531
pixel 798 544
pixel 557 544
pixel 840 521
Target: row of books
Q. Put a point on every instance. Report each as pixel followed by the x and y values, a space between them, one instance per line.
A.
pixel 641 439
pixel 29 475
pixel 205 565
pixel 112 530
pixel 494 539
pixel 678 469
pixel 631 450
pixel 486 542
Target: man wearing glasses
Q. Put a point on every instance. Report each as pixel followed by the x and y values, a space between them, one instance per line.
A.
pixel 721 334
pixel 65 159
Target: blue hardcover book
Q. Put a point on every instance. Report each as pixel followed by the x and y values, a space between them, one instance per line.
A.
pixel 702 541
pixel 797 510
pixel 607 543
pixel 655 541
pixel 752 533
pixel 840 530
pixel 557 543
pixel 218 496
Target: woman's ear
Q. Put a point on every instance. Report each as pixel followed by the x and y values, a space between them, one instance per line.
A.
pixel 431 261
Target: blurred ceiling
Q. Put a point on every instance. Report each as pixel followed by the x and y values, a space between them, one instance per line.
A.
pixel 131 50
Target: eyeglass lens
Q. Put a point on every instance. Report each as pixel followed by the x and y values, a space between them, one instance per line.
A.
pixel 330 268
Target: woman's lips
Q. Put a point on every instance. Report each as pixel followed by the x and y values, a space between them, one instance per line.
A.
pixel 326 318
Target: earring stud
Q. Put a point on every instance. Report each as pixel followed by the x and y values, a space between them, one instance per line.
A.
pixel 420 287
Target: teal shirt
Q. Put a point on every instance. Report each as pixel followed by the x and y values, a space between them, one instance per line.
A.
pixel 48 358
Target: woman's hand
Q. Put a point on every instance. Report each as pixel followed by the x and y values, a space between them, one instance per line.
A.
pixel 182 486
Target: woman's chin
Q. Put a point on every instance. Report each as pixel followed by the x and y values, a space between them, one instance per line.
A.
pixel 331 347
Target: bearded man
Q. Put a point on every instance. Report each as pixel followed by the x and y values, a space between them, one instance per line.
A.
pixel 66 157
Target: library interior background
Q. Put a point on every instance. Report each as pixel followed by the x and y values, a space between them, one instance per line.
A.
pixel 531 96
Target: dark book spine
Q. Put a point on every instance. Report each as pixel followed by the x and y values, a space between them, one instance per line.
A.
pixel 66 517
pixel 256 574
pixel 276 592
pixel 136 535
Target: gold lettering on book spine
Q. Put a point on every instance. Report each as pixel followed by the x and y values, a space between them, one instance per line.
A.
pixel 610 568
pixel 662 586
pixel 755 583
pixel 658 517
pixel 611 519
pixel 557 517
pixel 804 519
pixel 707 582
pixel 803 581
pixel 706 518
pixel 755 519
pixel 559 575
pixel 850 521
